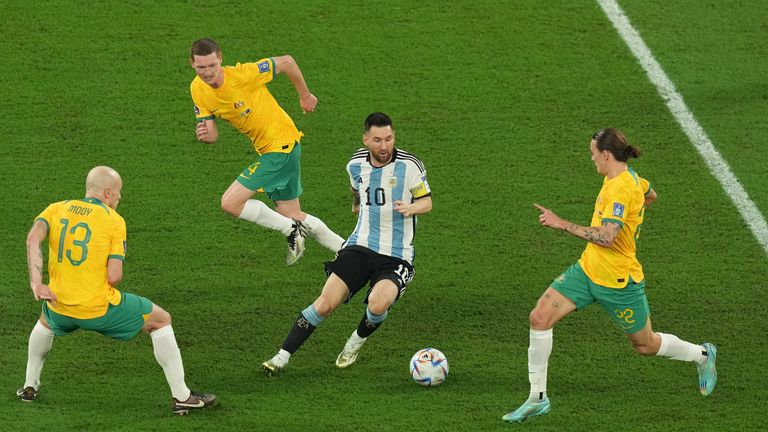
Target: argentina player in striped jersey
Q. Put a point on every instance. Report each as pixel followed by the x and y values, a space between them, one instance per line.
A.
pixel 389 188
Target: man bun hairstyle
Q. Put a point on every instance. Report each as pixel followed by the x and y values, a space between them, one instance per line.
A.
pixel 204 47
pixel 614 141
pixel 378 119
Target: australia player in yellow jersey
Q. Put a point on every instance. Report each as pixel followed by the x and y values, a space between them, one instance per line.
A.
pixel 86 250
pixel 239 95
pixel 607 273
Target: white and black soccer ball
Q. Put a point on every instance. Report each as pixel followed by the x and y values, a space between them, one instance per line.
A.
pixel 429 367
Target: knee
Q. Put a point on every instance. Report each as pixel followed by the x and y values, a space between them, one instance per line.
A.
pixel 324 306
pixel 539 320
pixel 377 307
pixel 161 318
pixel 645 349
pixel 230 207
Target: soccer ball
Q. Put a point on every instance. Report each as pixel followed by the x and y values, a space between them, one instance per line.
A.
pixel 429 367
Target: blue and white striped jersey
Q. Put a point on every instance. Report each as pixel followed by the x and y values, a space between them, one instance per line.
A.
pixel 380 227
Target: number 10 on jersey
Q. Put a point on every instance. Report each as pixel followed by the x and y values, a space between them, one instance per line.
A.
pixel 378 196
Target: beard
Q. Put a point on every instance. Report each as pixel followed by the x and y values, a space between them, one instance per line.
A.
pixel 382 159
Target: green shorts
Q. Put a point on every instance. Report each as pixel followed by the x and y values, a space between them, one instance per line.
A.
pixel 277 174
pixel 628 306
pixel 122 321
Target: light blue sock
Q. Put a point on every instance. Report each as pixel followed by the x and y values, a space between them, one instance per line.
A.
pixel 375 319
pixel 314 318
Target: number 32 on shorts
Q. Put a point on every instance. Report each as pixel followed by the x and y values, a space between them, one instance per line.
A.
pixel 625 315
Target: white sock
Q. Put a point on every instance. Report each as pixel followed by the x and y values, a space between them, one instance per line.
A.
pixel 677 349
pixel 281 358
pixel 320 232
pixel 257 212
pixel 169 357
pixel 356 338
pixel 40 342
pixel 539 348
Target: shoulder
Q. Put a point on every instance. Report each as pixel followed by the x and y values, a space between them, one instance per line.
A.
pixel 117 220
pixel 360 155
pixel 53 207
pixel 410 159
pixel 117 217
pixel 197 85
pixel 242 69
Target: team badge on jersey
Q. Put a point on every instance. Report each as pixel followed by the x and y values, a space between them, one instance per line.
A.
pixel 264 66
pixel 618 209
pixel 392 182
pixel 197 111
pixel 238 104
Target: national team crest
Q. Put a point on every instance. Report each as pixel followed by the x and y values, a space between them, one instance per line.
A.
pixel 618 209
pixel 392 182
pixel 238 104
pixel 264 66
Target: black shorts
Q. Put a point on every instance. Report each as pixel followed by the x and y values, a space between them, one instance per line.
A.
pixel 358 266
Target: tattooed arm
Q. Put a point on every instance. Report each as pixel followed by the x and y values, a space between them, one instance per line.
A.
pixel 355 200
pixel 603 235
pixel 36 235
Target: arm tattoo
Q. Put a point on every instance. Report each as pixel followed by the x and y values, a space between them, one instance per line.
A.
pixel 595 235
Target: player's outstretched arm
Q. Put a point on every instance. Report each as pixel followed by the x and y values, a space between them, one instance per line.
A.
pixel 420 206
pixel 36 235
pixel 206 131
pixel 650 197
pixel 603 235
pixel 287 65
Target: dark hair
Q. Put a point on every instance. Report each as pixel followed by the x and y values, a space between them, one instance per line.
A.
pixel 378 119
pixel 615 142
pixel 203 47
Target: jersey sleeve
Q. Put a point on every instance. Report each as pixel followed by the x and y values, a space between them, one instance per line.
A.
pixel 118 248
pixel 260 72
pixel 202 113
pixel 615 205
pixel 352 179
pixel 645 185
pixel 47 215
pixel 418 185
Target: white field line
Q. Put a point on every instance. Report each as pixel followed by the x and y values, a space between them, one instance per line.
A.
pixel 717 165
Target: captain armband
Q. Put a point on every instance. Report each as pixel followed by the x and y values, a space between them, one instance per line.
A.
pixel 420 190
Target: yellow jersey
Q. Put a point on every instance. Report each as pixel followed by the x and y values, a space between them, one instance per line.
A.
pixel 82 236
pixel 621 201
pixel 244 101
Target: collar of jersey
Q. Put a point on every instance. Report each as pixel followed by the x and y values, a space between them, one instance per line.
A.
pixel 394 156
pixel 92 200
pixel 96 201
